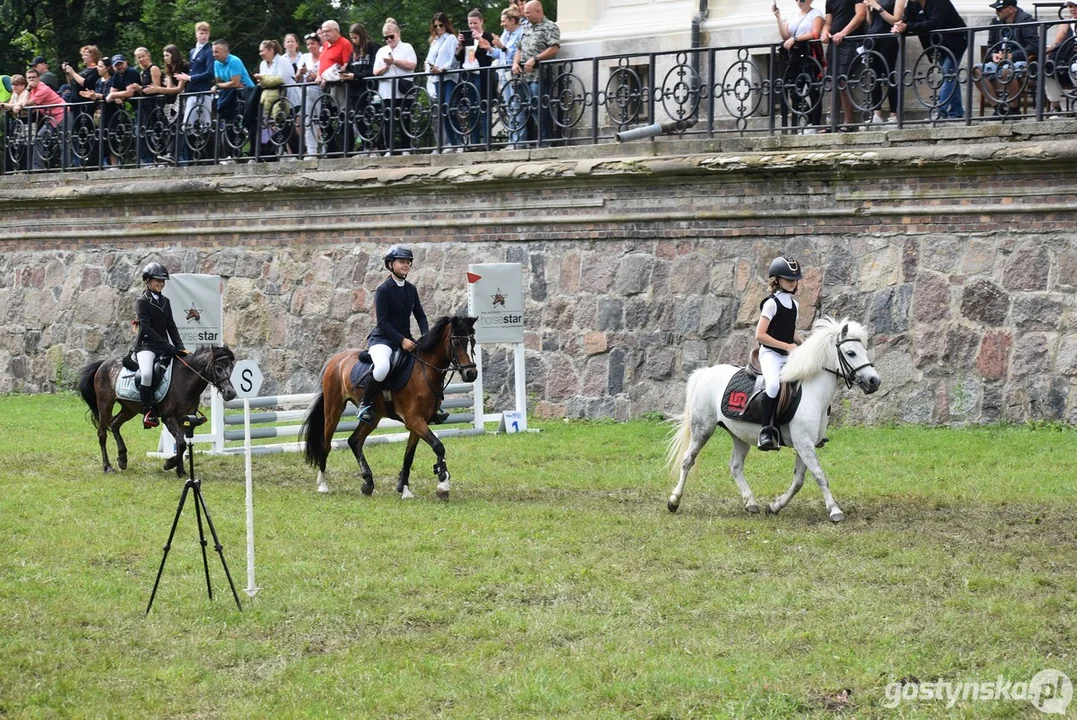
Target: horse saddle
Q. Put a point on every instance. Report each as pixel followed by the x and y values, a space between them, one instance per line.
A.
pixel 400 367
pixel 128 381
pixel 742 398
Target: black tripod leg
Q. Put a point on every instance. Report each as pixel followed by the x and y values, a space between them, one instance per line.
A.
pixel 199 500
pixel 202 536
pixel 168 545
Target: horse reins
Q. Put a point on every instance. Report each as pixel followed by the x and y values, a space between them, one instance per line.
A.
pixel 191 368
pixel 848 372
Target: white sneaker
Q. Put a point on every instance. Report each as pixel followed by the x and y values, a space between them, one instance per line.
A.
pixel 385 154
pixel 811 131
pixel 406 152
pixel 435 151
pixel 310 157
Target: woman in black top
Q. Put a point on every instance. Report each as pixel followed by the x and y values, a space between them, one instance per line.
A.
pixel 470 55
pixel 882 14
pixel 360 68
pixel 158 335
pixel 395 302
pixel 83 108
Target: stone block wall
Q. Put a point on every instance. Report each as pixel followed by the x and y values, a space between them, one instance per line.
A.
pixel 962 262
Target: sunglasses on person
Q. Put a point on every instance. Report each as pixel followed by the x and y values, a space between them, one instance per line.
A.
pixel 439 25
pixel 387 38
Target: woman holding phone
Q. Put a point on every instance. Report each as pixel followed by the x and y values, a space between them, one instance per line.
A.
pixel 804 63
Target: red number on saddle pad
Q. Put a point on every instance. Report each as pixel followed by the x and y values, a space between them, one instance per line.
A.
pixel 738 401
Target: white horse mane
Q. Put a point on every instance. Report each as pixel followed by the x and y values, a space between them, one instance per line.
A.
pixel 819 348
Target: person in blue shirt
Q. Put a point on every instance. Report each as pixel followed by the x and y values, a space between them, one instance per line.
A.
pixel 395 302
pixel 231 80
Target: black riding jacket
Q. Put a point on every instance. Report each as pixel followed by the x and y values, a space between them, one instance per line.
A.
pixel 393 308
pixel 156 325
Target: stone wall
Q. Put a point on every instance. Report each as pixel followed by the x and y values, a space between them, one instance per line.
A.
pixel 960 257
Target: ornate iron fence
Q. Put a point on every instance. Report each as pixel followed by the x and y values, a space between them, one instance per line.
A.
pixel 745 90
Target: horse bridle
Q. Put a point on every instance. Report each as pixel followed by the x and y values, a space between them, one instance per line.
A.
pixel 454 365
pixel 847 371
pixel 213 364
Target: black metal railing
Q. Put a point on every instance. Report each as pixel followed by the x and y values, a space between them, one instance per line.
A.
pixel 750 89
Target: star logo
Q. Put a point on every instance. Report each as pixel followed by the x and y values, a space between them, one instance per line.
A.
pixel 194 313
pixel 499 298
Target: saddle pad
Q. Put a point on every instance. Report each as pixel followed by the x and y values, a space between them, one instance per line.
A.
pixel 398 374
pixel 741 401
pixel 127 385
pixel 736 398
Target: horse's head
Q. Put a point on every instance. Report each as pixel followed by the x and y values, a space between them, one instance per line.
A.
pixel 216 365
pixel 853 361
pixel 461 347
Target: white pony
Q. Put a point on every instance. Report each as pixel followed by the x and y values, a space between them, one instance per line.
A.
pixel 835 351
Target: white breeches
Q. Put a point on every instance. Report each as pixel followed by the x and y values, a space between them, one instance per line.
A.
pixel 771 364
pixel 145 366
pixel 380 355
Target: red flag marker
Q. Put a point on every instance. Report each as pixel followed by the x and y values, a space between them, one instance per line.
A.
pixel 473 278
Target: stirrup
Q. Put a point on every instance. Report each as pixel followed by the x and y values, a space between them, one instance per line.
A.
pixel 149 420
pixel 768 439
pixel 365 414
pixel 440 416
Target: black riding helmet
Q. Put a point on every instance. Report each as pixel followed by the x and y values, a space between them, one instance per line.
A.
pixel 397 252
pixel 154 270
pixel 783 267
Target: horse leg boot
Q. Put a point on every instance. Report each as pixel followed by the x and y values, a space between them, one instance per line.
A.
pixel 149 412
pixel 768 435
pixel 366 407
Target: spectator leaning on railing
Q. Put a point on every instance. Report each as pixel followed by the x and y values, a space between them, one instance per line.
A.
pixel 923 18
pixel 541 41
pixel 51 116
pixel 232 79
pixel 844 19
pixel 1063 52
pixel 804 62
pixel 503 51
pixel 882 14
pixel 1010 47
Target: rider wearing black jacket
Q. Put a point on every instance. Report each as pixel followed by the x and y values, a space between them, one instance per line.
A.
pixel 158 335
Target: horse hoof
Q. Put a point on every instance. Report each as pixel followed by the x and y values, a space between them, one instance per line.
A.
pixel 367 489
pixel 672 506
pixel 108 469
pixel 837 516
pixel 752 508
pixel 771 510
pixel 122 464
pixel 324 489
pixel 405 494
pixel 443 494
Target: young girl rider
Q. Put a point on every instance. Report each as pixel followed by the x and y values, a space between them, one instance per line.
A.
pixel 777 335
pixel 156 327
pixel 395 302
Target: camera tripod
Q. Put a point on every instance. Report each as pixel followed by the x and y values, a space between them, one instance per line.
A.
pixel 189 424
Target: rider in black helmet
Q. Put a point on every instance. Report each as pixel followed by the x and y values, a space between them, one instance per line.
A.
pixel 395 302
pixel 158 335
pixel 777 335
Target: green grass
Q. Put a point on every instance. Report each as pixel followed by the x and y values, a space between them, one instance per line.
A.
pixel 553 583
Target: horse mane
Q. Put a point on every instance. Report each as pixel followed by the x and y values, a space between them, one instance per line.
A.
pixel 812 357
pixel 430 340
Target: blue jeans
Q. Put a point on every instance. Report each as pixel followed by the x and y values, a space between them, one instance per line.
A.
pixel 542 119
pixel 950 104
pixel 448 136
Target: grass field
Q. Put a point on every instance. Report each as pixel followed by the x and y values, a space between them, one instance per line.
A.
pixel 554 583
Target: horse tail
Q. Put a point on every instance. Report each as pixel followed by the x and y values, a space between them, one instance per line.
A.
pixel 681 435
pixel 88 390
pixel 313 432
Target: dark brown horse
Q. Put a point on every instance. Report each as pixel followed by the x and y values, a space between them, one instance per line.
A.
pixel 447 347
pixel 190 377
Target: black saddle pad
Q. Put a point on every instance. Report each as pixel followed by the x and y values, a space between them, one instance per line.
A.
pixel 399 372
pixel 740 400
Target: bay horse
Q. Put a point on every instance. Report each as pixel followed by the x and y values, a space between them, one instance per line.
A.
pixel 835 351
pixel 190 377
pixel 446 348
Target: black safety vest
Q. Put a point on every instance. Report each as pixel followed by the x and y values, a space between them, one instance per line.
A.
pixel 783 325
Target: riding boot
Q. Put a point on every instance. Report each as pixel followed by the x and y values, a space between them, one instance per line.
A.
pixel 768 436
pixel 366 407
pixel 149 412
